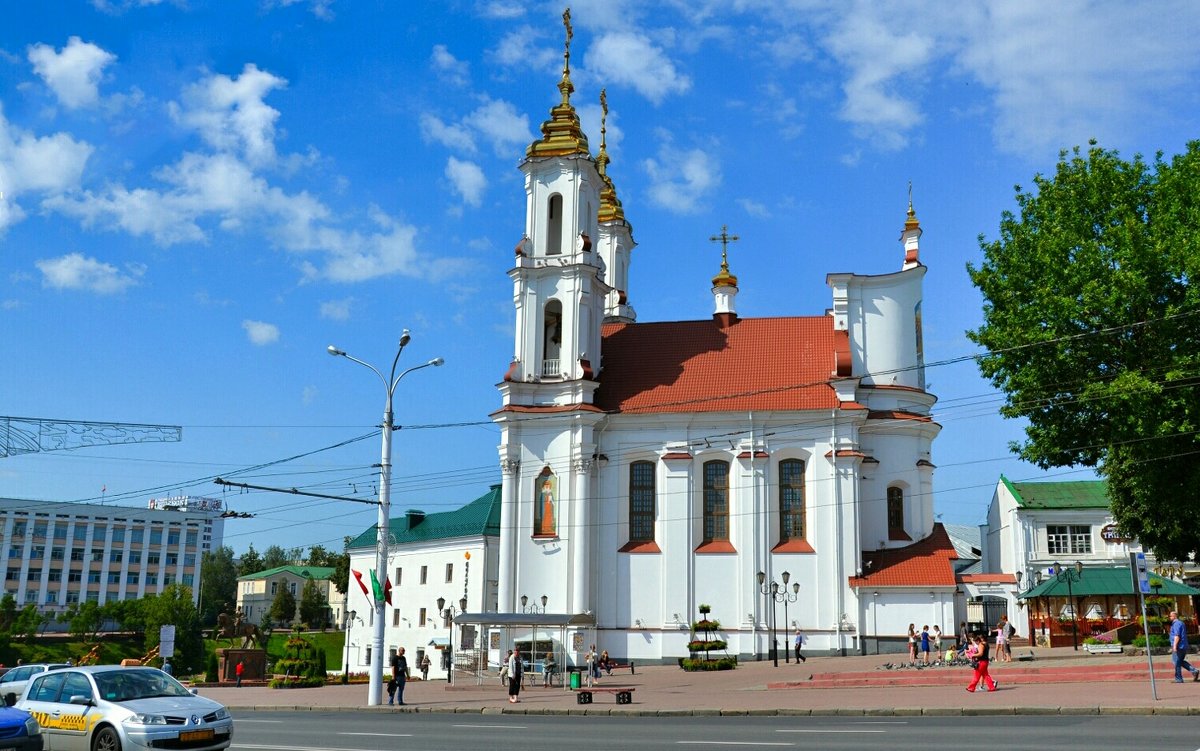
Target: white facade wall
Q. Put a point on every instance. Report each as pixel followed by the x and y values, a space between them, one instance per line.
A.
pixel 475 578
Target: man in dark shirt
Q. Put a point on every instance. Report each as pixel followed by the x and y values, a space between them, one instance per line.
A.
pixel 399 674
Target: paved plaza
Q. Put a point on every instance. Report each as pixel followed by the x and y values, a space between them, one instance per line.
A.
pixel 1056 681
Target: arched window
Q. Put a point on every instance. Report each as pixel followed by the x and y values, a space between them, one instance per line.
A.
pixel 552 339
pixel 895 514
pixel 716 501
pixel 554 227
pixel 641 502
pixel 791 500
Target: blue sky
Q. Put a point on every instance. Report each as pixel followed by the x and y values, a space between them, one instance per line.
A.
pixel 198 197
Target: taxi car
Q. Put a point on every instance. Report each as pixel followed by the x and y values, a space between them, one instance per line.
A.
pixel 16 679
pixel 114 708
pixel 19 731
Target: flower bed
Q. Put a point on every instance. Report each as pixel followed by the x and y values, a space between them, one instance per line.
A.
pixel 295 681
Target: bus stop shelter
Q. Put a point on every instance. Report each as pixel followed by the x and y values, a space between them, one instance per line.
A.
pixel 485 638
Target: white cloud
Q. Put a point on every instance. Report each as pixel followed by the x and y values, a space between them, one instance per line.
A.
pixel 754 208
pixel 448 67
pixel 499 122
pixel 523 48
pixel 260 333
pixel 322 9
pixel 626 57
pixel 308 395
pixel 337 310
pixel 468 180
pixel 681 179
pixel 230 114
pixel 879 60
pixel 450 135
pixel 28 163
pixel 74 73
pixel 501 9
pixel 116 7
pixel 74 271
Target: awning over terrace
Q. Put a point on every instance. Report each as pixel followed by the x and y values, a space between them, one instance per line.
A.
pixel 1105 580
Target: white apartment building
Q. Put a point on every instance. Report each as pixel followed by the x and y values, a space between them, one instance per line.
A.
pixel 59 553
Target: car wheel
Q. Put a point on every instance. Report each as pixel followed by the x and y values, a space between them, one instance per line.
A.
pixel 106 739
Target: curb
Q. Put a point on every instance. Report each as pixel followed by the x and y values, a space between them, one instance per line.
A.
pixel 975 711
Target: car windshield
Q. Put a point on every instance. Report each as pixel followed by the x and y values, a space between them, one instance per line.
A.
pixel 128 685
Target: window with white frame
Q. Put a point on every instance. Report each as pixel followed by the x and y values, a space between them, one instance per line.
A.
pixel 1068 539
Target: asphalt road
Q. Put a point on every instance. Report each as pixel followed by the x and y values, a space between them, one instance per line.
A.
pixel 368 731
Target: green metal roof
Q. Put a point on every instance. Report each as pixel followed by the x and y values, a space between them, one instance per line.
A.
pixel 304 572
pixel 1082 494
pixel 1105 580
pixel 479 517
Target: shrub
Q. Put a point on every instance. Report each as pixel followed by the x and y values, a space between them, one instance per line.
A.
pixel 693 664
pixel 296 681
pixel 699 645
pixel 210 673
pixel 1157 641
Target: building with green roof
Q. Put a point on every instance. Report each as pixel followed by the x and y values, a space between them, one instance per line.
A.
pixel 256 592
pixel 447 555
pixel 1035 531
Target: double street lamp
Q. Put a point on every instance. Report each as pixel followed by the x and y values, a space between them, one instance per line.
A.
pixel 774 592
pixel 375 684
pixel 346 663
pixel 527 608
pixel 1070 575
pixel 448 613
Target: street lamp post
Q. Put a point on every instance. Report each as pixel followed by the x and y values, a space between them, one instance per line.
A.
pixel 346 662
pixel 771 592
pixel 1070 575
pixel 448 614
pixel 785 599
pixel 375 685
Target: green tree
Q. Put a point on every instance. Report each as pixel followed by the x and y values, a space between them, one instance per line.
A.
pixel 28 623
pixel 1092 326
pixel 218 583
pixel 128 615
pixel 83 619
pixel 174 606
pixel 283 607
pixel 250 562
pixel 341 568
pixel 8 612
pixel 313 607
pixel 274 557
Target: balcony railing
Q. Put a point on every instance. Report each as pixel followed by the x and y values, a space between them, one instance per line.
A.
pixel 550 368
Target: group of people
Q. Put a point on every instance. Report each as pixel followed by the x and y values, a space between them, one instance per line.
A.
pixel 924 642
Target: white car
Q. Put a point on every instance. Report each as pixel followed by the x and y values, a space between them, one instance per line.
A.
pixel 114 708
pixel 14 681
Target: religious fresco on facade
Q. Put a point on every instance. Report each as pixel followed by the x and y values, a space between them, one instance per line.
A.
pixel 545 504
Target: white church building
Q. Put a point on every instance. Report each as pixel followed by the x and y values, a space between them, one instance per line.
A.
pixel 652 467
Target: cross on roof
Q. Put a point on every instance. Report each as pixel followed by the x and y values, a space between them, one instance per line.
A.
pixel 724 238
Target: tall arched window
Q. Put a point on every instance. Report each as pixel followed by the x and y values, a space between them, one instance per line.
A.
pixel 895 514
pixel 554 229
pixel 791 500
pixel 552 339
pixel 641 502
pixel 716 501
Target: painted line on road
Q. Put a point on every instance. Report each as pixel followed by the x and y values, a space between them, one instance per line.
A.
pixel 381 735
pixel 274 747
pixel 494 727
pixel 239 719
pixel 831 731
pixel 732 743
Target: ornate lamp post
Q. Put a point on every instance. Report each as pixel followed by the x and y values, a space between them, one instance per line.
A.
pixel 375 686
pixel 346 663
pixel 770 590
pixel 785 598
pixel 1070 575
pixel 448 613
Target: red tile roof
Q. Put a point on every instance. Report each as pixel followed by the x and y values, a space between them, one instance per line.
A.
pixel 925 563
pixel 700 366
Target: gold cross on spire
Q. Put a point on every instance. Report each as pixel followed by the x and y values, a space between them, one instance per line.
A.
pixel 567 47
pixel 724 238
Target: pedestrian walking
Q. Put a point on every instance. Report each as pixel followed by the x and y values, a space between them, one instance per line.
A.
pixel 1009 632
pixel 978 653
pixel 1179 650
pixel 596 663
pixel 241 666
pixel 516 670
pixel 589 664
pixel 399 675
pixel 504 669
pixel 799 644
pixel 425 663
pixel 912 642
pixel 936 638
pixel 925 644
pixel 964 639
pixel 1001 639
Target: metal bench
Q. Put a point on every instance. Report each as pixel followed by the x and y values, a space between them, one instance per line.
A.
pixel 623 694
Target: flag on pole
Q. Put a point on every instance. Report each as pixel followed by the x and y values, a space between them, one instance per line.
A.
pixel 387 590
pixel 376 587
pixel 361 583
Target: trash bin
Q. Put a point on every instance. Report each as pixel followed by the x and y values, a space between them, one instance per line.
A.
pixel 576 679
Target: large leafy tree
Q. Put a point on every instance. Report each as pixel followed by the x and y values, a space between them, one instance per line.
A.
pixel 275 556
pixel 218 583
pixel 283 607
pixel 1091 324
pixel 174 606
pixel 313 607
pixel 251 562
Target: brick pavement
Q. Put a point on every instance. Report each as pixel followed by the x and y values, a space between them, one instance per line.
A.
pixel 1106 684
